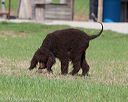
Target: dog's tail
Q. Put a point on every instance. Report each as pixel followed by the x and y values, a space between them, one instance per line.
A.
pixel 99 33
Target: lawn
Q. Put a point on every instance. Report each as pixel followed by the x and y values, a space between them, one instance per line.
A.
pixel 107 57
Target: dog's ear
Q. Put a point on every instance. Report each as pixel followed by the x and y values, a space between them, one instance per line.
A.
pixel 33 63
pixel 51 61
pixel 34 60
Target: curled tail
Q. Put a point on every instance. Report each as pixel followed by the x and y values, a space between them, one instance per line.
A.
pixel 99 33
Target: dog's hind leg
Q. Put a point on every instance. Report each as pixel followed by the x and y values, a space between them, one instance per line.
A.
pixel 76 60
pixel 84 65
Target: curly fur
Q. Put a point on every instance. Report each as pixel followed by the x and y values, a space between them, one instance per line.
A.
pixel 67 44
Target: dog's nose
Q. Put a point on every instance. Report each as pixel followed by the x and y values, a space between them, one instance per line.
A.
pixel 30 68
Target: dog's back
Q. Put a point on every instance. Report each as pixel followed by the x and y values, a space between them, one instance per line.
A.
pixel 69 37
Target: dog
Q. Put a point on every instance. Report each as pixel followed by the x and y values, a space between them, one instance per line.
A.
pixel 67 44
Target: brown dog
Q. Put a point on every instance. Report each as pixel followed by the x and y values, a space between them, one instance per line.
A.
pixel 67 44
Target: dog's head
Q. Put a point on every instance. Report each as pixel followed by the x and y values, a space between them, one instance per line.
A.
pixel 44 57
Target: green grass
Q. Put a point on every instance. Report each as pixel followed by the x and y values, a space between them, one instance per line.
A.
pixel 107 57
pixel 39 89
pixel 14 6
pixel 81 10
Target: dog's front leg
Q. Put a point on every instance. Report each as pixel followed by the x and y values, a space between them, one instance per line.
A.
pixel 76 67
pixel 50 62
pixel 64 66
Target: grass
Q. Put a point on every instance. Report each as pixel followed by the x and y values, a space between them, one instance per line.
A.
pixel 14 6
pixel 50 90
pixel 81 8
pixel 107 57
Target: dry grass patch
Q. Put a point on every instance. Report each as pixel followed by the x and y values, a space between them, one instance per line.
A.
pixel 13 34
pixel 107 73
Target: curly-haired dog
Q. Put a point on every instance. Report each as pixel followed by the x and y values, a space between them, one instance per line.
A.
pixel 67 44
